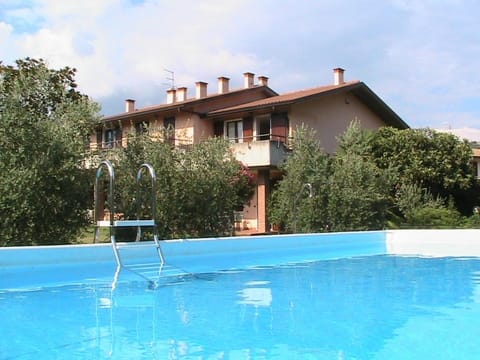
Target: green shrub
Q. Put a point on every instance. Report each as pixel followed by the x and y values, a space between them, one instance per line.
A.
pixel 473 222
pixel 430 217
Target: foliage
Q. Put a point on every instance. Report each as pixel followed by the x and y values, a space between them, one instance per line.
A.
pixel 420 209
pixel 290 207
pixel 197 191
pixel 391 177
pixel 473 221
pixel 244 185
pixel 358 189
pixel 44 124
pixel 433 217
pixel 349 190
pixel 409 197
pixel 438 162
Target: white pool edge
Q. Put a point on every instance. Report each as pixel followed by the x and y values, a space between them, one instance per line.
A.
pixel 435 243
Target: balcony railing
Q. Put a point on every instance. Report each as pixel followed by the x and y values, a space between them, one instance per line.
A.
pixel 179 143
pixel 106 145
pixel 286 141
pixel 258 150
pixel 261 150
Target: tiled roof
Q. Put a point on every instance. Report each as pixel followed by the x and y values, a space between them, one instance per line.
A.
pixel 185 103
pixel 272 99
pixel 286 98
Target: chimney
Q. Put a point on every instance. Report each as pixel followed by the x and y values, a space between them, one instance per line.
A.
pixel 201 89
pixel 338 76
pixel 182 93
pixel 248 80
pixel 129 105
pixel 223 84
pixel 263 81
pixel 171 96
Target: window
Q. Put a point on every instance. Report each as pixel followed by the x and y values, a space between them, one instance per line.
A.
pixel 234 131
pixel 218 128
pixel 141 128
pixel 99 138
pixel 169 126
pixel 113 137
pixel 263 128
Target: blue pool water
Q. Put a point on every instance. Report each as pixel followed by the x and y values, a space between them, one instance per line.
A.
pixel 366 307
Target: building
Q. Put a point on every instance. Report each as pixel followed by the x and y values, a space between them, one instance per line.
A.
pixel 476 161
pixel 257 120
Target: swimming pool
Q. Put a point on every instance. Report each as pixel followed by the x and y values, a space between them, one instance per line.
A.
pixel 335 296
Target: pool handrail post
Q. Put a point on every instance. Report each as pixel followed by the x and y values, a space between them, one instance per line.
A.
pixel 111 206
pixel 153 205
pixel 139 223
pixel 307 186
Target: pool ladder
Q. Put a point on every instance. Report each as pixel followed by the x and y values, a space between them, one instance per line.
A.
pixel 113 224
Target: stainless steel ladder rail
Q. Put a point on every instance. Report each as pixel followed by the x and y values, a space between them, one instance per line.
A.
pixel 153 208
pixel 113 224
pixel 111 206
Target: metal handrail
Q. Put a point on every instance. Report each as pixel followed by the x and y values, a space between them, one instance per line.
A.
pixel 153 205
pixel 306 186
pixel 279 139
pixel 111 206
pixel 153 177
pixel 111 203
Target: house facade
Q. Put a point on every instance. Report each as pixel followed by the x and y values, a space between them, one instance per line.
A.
pixel 476 161
pixel 258 122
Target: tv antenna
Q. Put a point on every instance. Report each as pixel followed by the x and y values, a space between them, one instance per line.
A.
pixel 170 78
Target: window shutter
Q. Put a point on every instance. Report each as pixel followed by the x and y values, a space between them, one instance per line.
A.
pixel 218 128
pixel 118 136
pixel 248 129
pixel 279 124
pixel 99 138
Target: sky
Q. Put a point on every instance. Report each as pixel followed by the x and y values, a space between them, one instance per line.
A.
pixel 421 57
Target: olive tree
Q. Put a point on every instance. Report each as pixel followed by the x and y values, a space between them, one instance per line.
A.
pixel 44 124
pixel 438 162
pixel 349 190
pixel 197 190
pixel 292 206
pixel 358 189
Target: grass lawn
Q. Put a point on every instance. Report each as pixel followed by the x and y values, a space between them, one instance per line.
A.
pixel 123 234
pixel 86 236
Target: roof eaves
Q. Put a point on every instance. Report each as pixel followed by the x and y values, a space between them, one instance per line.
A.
pixel 365 94
pixel 183 105
pixel 290 99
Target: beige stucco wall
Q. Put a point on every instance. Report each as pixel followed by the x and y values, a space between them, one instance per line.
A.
pixel 190 128
pixel 184 127
pixel 203 129
pixel 330 116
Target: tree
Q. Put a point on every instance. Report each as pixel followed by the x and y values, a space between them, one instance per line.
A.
pixel 197 189
pixel 44 124
pixel 349 191
pixel 291 206
pixel 390 177
pixel 358 188
pixel 437 162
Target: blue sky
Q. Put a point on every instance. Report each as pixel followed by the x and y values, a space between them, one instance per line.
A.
pixel 421 57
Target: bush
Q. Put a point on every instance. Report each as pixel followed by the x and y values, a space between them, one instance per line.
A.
pixel 44 189
pixel 434 218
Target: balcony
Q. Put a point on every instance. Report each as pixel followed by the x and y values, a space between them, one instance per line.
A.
pixel 258 153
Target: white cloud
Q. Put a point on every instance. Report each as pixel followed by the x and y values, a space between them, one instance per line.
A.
pixel 420 57
pixel 5 30
pixel 470 134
